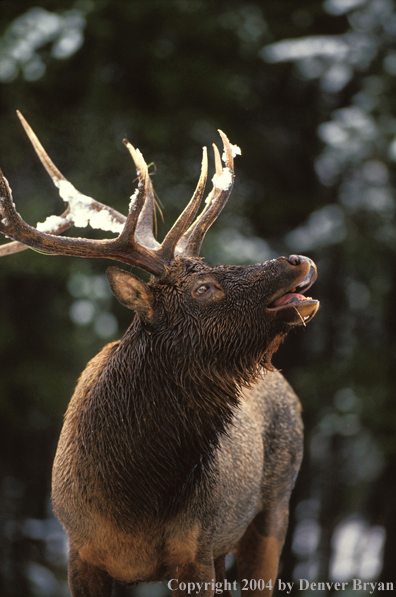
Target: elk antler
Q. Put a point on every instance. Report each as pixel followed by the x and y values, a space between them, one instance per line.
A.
pixel 223 181
pixel 136 244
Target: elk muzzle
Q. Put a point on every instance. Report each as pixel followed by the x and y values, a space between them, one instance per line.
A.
pixel 289 303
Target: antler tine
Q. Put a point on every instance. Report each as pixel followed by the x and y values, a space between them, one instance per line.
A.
pixel 137 199
pixel 65 221
pixel 12 247
pixel 144 229
pixel 217 159
pixel 39 149
pixel 187 216
pixel 223 180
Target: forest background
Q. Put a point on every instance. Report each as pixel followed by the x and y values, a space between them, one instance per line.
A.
pixel 307 90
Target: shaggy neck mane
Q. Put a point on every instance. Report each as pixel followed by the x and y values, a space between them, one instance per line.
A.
pixel 162 420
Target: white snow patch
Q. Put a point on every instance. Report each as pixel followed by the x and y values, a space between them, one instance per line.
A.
pixel 224 181
pixel 52 223
pixel 235 150
pixel 102 220
pixel 132 204
pixel 82 211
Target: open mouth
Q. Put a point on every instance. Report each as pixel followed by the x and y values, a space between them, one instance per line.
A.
pixel 305 306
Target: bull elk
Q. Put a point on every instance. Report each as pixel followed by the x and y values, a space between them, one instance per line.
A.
pixel 181 442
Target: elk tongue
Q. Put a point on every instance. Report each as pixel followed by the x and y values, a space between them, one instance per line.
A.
pixel 289 297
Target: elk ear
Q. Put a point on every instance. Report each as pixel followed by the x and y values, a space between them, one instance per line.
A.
pixel 131 292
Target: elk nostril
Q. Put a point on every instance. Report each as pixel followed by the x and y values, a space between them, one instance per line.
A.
pixel 294 259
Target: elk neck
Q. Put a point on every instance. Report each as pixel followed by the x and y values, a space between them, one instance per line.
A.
pixel 151 424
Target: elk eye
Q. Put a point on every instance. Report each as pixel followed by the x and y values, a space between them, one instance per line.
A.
pixel 202 289
pixel 207 291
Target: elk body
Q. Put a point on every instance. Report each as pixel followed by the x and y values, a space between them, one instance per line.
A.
pixel 181 443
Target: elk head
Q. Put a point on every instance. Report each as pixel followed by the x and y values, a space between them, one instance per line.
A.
pixel 265 300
